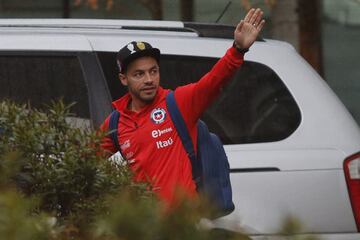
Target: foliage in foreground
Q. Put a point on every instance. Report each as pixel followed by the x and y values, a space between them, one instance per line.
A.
pixel 61 165
pixel 55 183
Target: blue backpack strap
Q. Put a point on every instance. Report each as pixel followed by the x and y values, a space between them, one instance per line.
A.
pixel 182 130
pixel 113 128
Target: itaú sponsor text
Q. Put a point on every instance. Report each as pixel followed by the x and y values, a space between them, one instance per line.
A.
pixel 164 144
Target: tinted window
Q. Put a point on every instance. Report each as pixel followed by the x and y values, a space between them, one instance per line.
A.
pixel 254 107
pixel 41 79
pixel 110 69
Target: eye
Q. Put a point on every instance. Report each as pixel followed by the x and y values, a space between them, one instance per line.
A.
pixel 138 74
pixel 154 71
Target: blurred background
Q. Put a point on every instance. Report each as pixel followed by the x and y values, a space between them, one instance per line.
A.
pixel 325 32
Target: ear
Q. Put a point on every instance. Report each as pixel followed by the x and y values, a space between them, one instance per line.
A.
pixel 123 79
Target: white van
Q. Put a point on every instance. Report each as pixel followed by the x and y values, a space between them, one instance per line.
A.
pixel 294 149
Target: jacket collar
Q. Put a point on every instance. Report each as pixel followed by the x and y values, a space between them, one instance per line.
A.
pixel 122 103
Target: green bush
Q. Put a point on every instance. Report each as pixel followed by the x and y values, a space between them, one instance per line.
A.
pixel 56 183
pixel 16 222
pixel 60 165
pixel 43 157
pixel 141 219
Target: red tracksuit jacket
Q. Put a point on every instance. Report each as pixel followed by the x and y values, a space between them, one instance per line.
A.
pixel 149 140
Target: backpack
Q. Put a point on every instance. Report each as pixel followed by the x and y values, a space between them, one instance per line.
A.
pixel 210 168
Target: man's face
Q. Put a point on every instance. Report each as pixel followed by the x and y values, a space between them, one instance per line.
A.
pixel 142 79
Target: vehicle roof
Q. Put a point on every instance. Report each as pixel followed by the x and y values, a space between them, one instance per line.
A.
pixel 108 35
pixel 87 23
pixel 214 30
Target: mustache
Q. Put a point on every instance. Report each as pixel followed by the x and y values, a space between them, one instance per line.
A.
pixel 148 87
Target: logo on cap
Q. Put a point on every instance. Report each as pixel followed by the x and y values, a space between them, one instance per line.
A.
pixel 158 115
pixel 134 50
pixel 131 48
pixel 140 45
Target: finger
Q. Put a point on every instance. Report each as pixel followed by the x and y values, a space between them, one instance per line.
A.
pixel 261 25
pixel 249 15
pixel 239 26
pixel 258 18
pixel 254 16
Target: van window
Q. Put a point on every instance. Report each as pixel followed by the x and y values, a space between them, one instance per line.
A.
pixel 254 107
pixel 40 79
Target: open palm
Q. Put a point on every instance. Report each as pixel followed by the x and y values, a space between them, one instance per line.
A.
pixel 249 28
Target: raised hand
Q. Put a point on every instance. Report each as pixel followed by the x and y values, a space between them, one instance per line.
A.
pixel 249 28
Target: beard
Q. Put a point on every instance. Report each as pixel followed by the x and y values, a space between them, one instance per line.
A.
pixel 144 95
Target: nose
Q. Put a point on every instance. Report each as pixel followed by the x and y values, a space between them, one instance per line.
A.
pixel 148 78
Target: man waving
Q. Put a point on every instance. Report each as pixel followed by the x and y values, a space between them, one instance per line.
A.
pixel 147 136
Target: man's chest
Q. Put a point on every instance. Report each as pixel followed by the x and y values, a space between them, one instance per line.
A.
pixel 151 134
